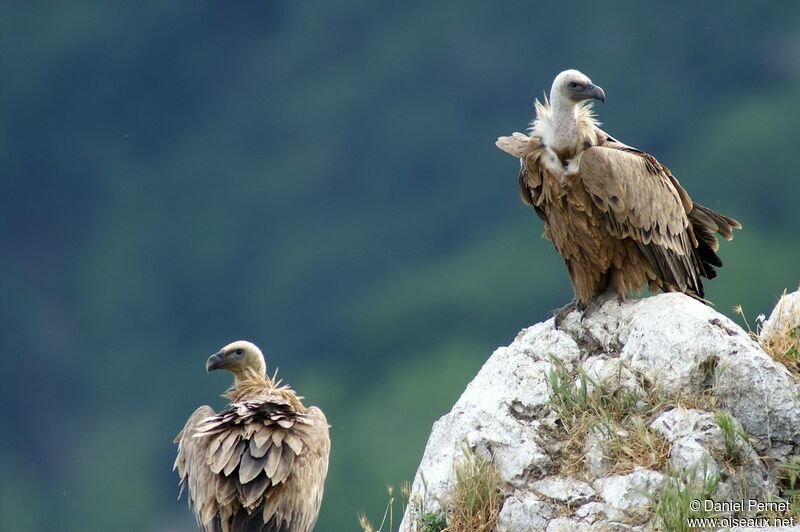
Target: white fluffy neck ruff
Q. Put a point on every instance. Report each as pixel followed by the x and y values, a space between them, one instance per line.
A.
pixel 563 125
pixel 557 123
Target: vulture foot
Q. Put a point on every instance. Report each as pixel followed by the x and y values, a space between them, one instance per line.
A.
pixel 600 300
pixel 561 314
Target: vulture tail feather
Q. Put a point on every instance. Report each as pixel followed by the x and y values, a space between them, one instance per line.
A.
pixel 725 224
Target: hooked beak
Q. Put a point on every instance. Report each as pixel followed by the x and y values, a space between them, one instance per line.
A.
pixel 215 361
pixel 596 93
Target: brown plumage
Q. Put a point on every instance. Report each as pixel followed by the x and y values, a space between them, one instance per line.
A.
pixel 617 216
pixel 260 464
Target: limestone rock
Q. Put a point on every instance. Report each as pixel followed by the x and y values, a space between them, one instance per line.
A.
pixel 524 512
pixel 566 490
pixel 627 492
pixel 785 315
pixel 666 350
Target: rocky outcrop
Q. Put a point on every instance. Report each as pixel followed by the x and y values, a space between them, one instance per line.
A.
pixel 681 363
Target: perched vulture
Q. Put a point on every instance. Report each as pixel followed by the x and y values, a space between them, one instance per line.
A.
pixel 259 464
pixel 617 216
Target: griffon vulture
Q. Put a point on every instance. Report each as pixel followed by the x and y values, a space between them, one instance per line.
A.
pixel 617 216
pixel 260 464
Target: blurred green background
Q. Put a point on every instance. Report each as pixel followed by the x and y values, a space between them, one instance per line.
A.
pixel 321 178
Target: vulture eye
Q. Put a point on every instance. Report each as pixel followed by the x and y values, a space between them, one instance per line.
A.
pixel 573 85
pixel 239 351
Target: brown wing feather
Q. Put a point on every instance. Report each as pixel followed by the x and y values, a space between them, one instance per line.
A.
pixel 701 218
pixel 528 150
pixel 517 144
pixel 658 235
pixel 194 472
pixel 311 464
pixel 641 200
pixel 259 464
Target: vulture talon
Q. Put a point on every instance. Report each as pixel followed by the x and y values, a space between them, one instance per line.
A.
pixel 597 303
pixel 561 314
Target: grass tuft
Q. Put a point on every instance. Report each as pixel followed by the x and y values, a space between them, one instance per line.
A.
pixel 782 345
pixel 787 476
pixel 570 400
pixel 636 446
pixel 735 439
pixel 473 506
pixel 584 405
pixel 674 502
pixel 477 497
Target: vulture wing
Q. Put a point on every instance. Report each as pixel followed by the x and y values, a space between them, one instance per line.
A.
pixel 528 150
pixel 518 144
pixel 641 200
pixel 193 472
pixel 252 448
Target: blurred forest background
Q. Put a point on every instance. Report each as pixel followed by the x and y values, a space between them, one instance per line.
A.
pixel 321 178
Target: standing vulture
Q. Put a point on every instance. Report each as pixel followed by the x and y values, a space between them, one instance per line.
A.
pixel 617 216
pixel 259 464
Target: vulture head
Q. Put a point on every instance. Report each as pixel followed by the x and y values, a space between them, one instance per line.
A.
pixel 238 357
pixel 572 87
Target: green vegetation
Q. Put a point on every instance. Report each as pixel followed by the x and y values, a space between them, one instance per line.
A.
pixel 321 178
pixel 585 406
pixel 734 438
pixel 674 502
pixel 571 399
pixel 793 352
pixel 433 521
pixel 788 476
pixel 576 398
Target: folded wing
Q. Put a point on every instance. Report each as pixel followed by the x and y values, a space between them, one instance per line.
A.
pixel 245 454
pixel 641 200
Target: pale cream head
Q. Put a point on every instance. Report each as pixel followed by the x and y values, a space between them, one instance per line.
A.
pixel 238 357
pixel 572 87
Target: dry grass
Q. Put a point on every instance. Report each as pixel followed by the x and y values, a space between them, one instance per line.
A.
pixel 478 496
pixel 585 406
pixel 707 401
pixel 782 345
pixel 636 446
pixel 473 506
pixel 388 514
